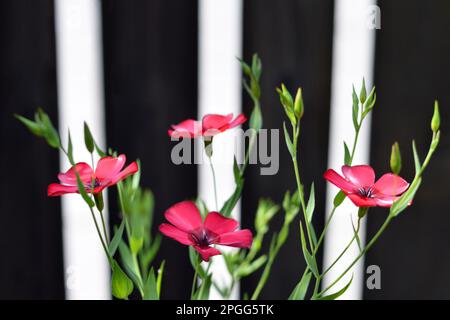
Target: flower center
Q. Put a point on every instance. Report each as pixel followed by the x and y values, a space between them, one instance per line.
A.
pixel 366 192
pixel 96 183
pixel 201 238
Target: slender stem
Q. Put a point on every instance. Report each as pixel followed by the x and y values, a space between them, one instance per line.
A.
pixel 105 248
pixel 344 251
pixel 262 280
pixel 104 226
pixel 362 253
pixel 194 283
pixel 322 235
pixel 251 142
pixel 214 182
pixel 296 133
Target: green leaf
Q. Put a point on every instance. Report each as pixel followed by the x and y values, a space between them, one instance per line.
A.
pixel 136 244
pixel 114 244
pixel 229 205
pixel 203 293
pixel 121 285
pixel 356 234
pixel 310 260
pixel 347 156
pixel 88 140
pixel 336 295
pixel 355 109
pixel 288 140
pixel 159 278
pixel 100 152
pixel 339 198
pixel 70 150
pixel 83 192
pixel 50 133
pixel 194 258
pixel 301 288
pixel 246 270
pixel 32 126
pixel 150 288
pixel 311 204
pixel 128 264
pixel 236 171
pixel 417 163
pixel 256 119
pixel 404 201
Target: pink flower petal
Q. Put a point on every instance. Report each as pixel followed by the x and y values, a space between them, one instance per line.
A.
pixel 175 233
pixel 109 167
pixel 218 224
pixel 338 181
pixel 240 119
pixel 69 178
pixel 215 121
pixel 132 168
pixel 385 201
pixel 239 239
pixel 361 176
pixel 360 201
pixel 207 252
pixel 186 128
pixel 185 216
pixel 391 184
pixel 56 189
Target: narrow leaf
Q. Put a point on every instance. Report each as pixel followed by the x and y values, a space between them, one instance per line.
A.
pixel 301 288
pixel 311 204
pixel 336 295
pixel 347 156
pixel 114 244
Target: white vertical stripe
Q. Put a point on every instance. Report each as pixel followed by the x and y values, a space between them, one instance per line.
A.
pixel 220 36
pixel 353 58
pixel 80 97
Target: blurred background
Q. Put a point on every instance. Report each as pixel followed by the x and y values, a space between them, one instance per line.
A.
pixel 132 68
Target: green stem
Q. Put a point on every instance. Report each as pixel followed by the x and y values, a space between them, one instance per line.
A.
pixel 214 182
pixel 296 133
pixel 104 226
pixel 194 283
pixel 262 280
pixel 105 248
pixel 362 253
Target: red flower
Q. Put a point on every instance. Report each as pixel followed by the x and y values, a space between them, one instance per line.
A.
pixel 188 228
pixel 360 186
pixel 107 173
pixel 210 125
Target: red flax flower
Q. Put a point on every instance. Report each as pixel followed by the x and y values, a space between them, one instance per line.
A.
pixel 210 125
pixel 359 185
pixel 188 228
pixel 108 172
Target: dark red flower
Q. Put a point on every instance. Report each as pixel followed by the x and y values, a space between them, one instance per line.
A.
pixel 210 125
pixel 359 185
pixel 188 228
pixel 108 172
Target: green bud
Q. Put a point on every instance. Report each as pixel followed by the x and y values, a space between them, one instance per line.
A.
pixel 363 93
pixel 436 120
pixel 88 139
pixel 396 158
pixel 287 103
pixel 121 285
pixel 208 146
pixel 298 104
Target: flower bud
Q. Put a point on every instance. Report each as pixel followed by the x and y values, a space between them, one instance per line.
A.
pixel 436 120
pixel 298 104
pixel 396 159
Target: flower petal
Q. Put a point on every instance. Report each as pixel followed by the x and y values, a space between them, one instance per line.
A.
pixel 361 176
pixel 185 216
pixel 215 121
pixel 56 189
pixel 391 184
pixel 240 119
pixel 218 224
pixel 131 169
pixel 360 201
pixel 239 239
pixel 207 252
pixel 109 167
pixel 386 201
pixel 338 181
pixel 187 128
pixel 176 234
pixel 70 178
